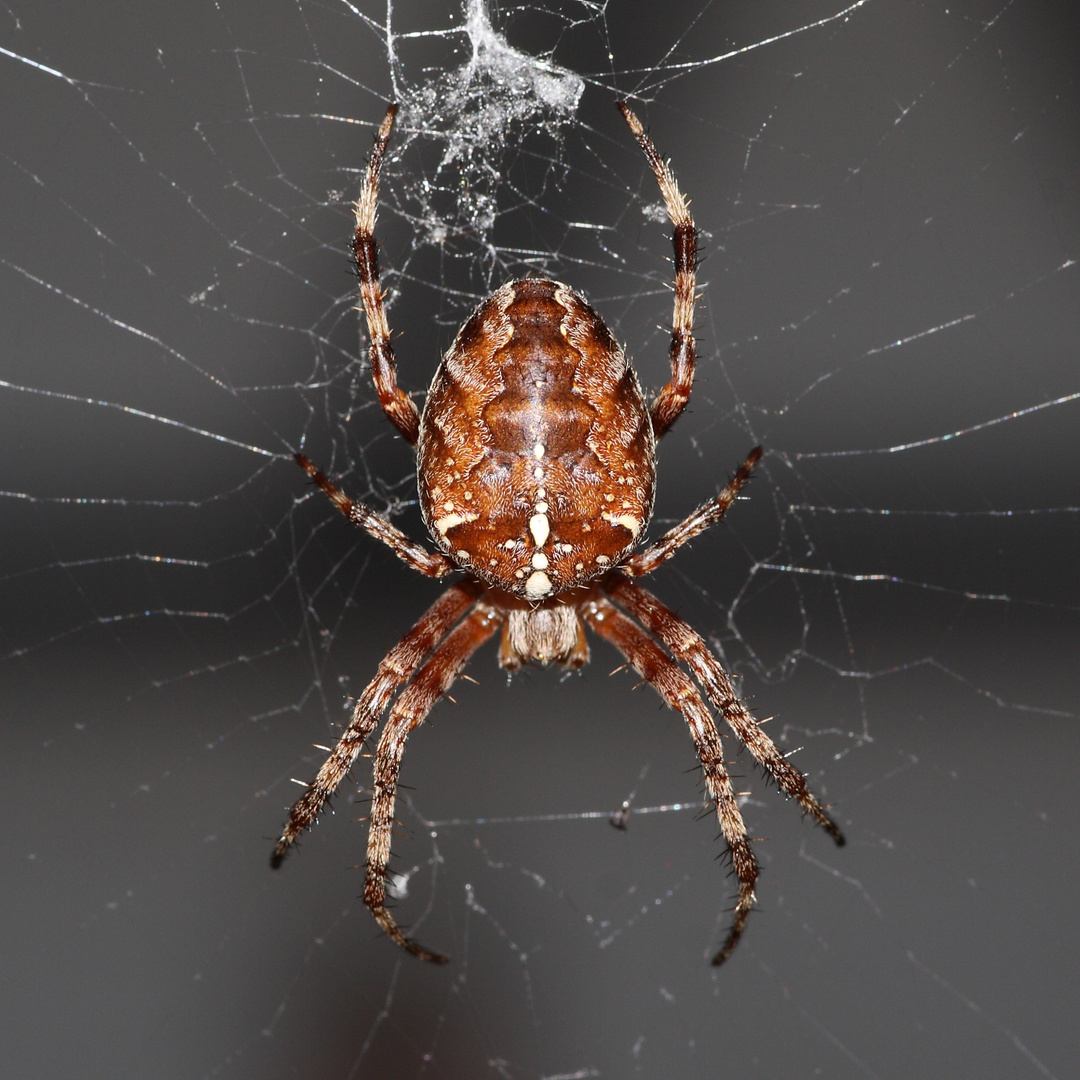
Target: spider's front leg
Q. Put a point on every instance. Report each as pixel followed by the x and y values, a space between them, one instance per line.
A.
pixel 689 646
pixel 676 689
pixel 409 711
pixel 397 667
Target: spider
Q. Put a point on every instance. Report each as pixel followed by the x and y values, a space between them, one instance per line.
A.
pixel 536 471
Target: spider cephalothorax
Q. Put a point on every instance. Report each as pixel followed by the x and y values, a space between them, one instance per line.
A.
pixel 536 472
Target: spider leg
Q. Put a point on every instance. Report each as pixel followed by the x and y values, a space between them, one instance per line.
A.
pixel 409 711
pixel 397 405
pixel 674 686
pixel 432 564
pixel 397 667
pixel 688 645
pixel 671 401
pixel 645 562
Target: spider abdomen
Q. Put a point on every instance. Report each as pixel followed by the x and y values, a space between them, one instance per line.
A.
pixel 536 449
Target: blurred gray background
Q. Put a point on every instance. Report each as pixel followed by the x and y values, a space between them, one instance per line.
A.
pixel 889 207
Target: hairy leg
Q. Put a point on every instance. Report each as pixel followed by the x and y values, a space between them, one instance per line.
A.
pixel 706 515
pixel 676 689
pixel 430 563
pixel 671 401
pixel 688 645
pixel 396 668
pixel 409 711
pixel 397 405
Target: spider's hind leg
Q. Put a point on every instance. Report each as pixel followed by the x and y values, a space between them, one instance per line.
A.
pixel 672 399
pixel 397 405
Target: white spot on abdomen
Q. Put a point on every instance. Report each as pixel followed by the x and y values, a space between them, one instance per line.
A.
pixel 538 586
pixel 627 521
pixel 540 529
pixel 444 524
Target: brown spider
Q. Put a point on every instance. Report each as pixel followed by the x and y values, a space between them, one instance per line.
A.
pixel 536 469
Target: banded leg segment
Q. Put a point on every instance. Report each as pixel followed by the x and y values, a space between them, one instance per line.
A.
pixel 397 667
pixel 705 516
pixel 688 645
pixel 675 688
pixel 409 711
pixel 430 563
pixel 672 399
pixel 397 405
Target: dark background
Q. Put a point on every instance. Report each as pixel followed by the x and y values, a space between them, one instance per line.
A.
pixel 889 206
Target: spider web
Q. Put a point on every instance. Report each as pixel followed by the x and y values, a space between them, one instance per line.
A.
pixel 887 193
